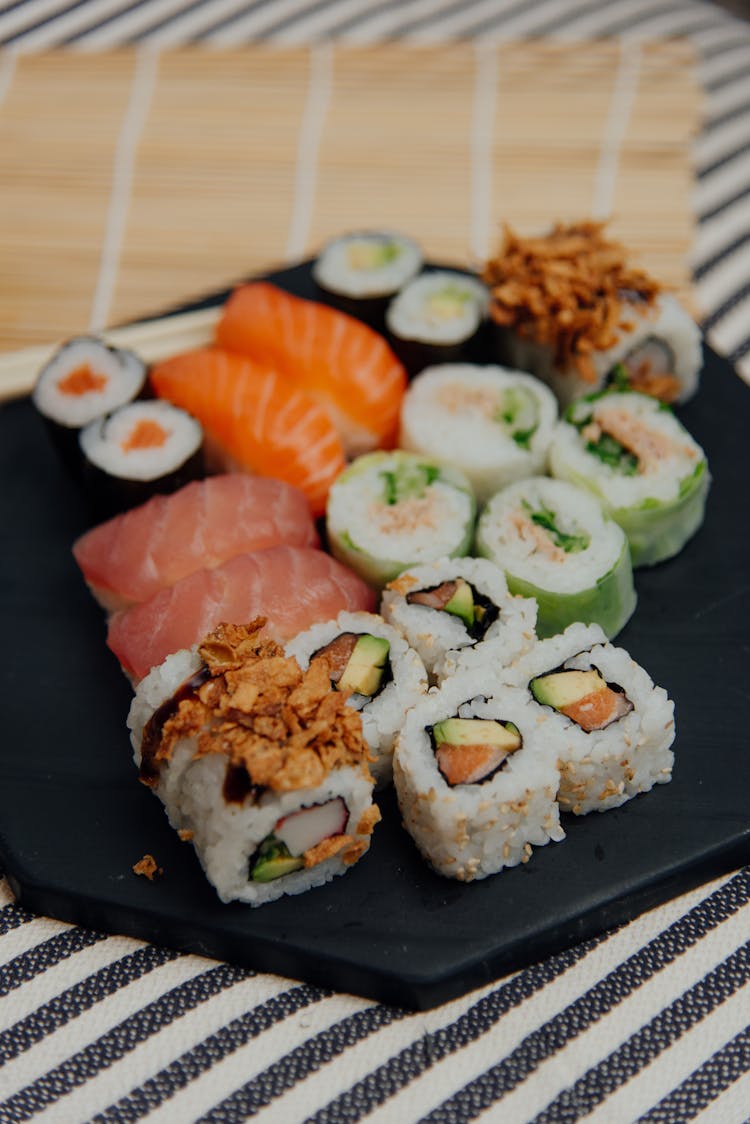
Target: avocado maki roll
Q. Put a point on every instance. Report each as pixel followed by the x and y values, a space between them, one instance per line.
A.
pixel 381 675
pixel 642 465
pixel 493 423
pixel 391 510
pixel 476 778
pixel 360 272
pixel 555 543
pixel 618 726
pixel 458 613
pixel 437 318
pixel 260 765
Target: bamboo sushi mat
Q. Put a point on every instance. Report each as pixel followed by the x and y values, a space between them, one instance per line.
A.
pixel 131 180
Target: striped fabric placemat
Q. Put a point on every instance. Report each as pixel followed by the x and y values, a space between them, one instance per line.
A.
pixel 646 1023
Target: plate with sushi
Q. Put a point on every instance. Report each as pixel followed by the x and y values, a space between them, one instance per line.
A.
pixel 413 599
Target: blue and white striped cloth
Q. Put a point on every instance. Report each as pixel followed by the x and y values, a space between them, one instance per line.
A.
pixel 649 1022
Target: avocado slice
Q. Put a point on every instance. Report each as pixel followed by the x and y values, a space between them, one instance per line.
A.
pixel 561 688
pixel 461 604
pixel 370 253
pixel 363 673
pixel 477 731
pixel 274 860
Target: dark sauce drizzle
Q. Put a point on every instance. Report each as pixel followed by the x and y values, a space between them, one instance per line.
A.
pixel 154 728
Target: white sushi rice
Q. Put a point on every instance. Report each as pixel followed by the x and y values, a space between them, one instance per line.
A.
pixel 442 639
pixel 106 442
pixel 225 834
pixel 378 539
pixel 123 374
pixel 666 321
pixel 383 715
pixel 438 307
pixel 602 769
pixel 456 411
pixel 662 504
pixel 506 534
pixel 345 267
pixel 471 831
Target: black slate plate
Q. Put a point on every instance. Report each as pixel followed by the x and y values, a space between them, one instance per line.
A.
pixel 73 818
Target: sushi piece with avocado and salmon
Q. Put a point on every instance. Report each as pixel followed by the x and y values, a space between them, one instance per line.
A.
pixel 458 613
pixel 380 674
pixel 272 806
pixel 618 726
pixel 476 777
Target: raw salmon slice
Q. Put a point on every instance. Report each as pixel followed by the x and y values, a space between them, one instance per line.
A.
pixel 293 587
pixel 255 418
pixel 131 557
pixel 338 360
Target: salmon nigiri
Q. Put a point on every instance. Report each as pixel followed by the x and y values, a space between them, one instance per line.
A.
pixel 131 557
pixel 292 587
pixel 342 363
pixel 258 421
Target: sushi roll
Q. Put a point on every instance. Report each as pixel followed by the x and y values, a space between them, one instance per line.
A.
pixel 571 309
pixel 382 676
pixel 261 766
pixel 618 726
pixel 492 423
pixel 139 450
pixel 437 318
pixel 84 380
pixel 555 544
pixel 458 613
pixel 640 463
pixel 476 778
pixel 359 273
pixel 388 511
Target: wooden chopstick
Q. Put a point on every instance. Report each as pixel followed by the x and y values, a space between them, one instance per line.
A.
pixel 151 339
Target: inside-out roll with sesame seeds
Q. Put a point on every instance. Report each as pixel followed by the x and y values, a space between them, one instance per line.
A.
pixel 555 544
pixel 390 510
pixel 260 765
pixel 617 726
pixel 372 662
pixel 477 778
pixel 458 613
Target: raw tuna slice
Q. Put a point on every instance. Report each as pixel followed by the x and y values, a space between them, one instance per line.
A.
pixel 293 587
pixel 132 557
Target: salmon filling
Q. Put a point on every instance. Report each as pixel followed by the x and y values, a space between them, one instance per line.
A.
pixel 82 380
pixel 471 750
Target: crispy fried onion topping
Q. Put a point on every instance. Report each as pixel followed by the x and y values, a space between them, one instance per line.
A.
pixel 286 727
pixel 570 290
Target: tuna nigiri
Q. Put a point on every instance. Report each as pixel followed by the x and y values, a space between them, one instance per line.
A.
pixel 257 420
pixel 338 360
pixel 131 557
pixel 293 587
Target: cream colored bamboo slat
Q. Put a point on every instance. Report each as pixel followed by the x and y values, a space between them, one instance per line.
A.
pixel 219 164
